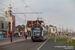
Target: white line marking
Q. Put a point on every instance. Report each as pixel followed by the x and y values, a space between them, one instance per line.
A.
pixel 43 44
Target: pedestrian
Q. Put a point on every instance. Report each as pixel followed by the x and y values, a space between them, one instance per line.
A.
pixel 25 36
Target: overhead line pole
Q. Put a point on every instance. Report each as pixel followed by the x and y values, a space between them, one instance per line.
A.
pixel 11 20
pixel 25 21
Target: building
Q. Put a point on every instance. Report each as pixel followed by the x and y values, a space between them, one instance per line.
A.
pixel 52 29
pixel 4 22
pixel 13 23
pixel 3 27
pixel 19 30
pixel 32 23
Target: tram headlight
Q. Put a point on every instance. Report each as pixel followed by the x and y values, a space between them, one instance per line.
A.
pixel 33 37
pixel 39 37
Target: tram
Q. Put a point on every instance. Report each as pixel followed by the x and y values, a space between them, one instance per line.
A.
pixel 38 33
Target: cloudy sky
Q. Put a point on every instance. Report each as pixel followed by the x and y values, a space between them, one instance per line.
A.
pixel 54 11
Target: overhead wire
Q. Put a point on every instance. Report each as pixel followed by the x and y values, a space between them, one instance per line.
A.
pixel 19 18
pixel 2 11
pixel 6 5
pixel 27 5
pixel 12 9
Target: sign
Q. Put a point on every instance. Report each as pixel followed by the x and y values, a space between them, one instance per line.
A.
pixel 37 28
pixel 0 32
pixel 64 32
pixel 3 32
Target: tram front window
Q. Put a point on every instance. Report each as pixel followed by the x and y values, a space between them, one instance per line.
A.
pixel 36 32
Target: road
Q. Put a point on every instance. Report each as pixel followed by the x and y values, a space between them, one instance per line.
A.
pixel 22 45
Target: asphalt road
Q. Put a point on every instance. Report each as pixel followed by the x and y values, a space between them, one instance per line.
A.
pixel 22 45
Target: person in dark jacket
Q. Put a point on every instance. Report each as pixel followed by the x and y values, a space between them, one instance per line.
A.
pixel 25 36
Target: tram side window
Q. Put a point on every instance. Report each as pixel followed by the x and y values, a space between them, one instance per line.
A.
pixel 41 33
pixel 44 33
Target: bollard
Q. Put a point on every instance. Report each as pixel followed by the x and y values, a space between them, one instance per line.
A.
pixel 59 36
pixel 68 40
pixel 65 37
pixel 55 40
pixel 62 37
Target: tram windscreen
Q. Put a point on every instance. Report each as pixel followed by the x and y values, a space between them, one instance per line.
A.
pixel 36 32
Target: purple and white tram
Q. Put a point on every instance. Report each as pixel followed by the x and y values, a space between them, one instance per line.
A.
pixel 38 33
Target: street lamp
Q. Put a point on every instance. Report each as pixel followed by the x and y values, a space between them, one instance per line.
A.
pixel 31 21
pixel 25 20
pixel 11 20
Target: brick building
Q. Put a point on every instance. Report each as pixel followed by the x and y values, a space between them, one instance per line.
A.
pixel 19 31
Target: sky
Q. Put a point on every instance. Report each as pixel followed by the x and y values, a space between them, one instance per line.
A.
pixel 55 12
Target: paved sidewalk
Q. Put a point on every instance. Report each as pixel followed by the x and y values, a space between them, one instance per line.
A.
pixel 8 39
pixel 8 42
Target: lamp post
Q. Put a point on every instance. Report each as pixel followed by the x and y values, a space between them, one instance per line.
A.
pixel 25 21
pixel 67 30
pixel 72 32
pixel 48 28
pixel 31 21
pixel 11 20
pixel 7 26
pixel 70 35
pixel 11 14
pixel 59 29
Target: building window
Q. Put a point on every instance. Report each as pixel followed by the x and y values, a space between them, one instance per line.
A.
pixel 53 29
pixel 4 26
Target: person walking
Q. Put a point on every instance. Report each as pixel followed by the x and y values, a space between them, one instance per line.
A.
pixel 25 36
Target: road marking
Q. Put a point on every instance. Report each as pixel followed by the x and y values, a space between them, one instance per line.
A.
pixel 43 44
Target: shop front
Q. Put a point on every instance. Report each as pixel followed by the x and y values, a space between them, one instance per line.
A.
pixel 64 33
pixel 3 34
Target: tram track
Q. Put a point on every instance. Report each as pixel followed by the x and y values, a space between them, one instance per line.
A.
pixel 32 46
pixel 23 46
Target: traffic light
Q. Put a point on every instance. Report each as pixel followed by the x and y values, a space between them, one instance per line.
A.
pixel 9 26
pixel 10 12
